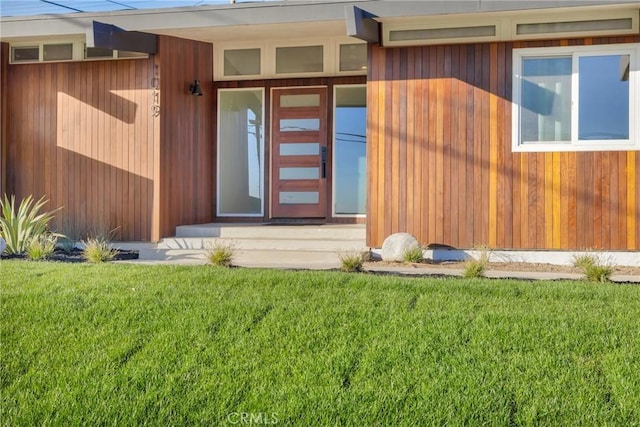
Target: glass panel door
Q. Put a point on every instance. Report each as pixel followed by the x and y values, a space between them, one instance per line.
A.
pixel 299 153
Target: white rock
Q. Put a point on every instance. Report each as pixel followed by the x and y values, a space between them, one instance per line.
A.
pixel 395 246
pixel 3 245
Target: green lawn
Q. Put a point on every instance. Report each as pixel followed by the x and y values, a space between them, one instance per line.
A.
pixel 167 345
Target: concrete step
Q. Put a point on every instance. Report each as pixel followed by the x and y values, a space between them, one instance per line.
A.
pixel 249 258
pixel 272 244
pixel 267 231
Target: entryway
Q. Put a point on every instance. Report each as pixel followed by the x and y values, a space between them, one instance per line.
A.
pixel 299 153
pixel 292 154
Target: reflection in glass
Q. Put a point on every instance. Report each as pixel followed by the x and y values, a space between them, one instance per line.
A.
pixel 350 150
pixel 603 97
pixel 545 110
pixel 298 125
pixel 240 152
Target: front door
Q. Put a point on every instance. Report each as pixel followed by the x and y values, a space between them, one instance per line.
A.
pixel 299 153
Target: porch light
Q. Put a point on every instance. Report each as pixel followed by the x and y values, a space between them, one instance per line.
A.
pixel 195 88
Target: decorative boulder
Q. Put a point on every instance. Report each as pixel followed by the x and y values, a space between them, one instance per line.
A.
pixel 395 246
pixel 3 245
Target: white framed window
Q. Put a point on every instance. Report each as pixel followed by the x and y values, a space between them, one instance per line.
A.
pixel 64 51
pixel 349 150
pixel 576 98
pixel 240 168
pixel 277 59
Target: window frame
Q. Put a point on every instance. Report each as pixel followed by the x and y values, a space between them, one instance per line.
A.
pixel 331 58
pixel 577 52
pixel 263 181
pixel 334 182
pixel 77 52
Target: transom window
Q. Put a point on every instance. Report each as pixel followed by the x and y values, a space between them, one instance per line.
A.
pixel 580 98
pixel 274 59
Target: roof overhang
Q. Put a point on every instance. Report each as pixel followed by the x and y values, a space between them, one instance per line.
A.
pixel 280 20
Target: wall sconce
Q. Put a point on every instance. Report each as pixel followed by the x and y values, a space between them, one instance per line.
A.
pixel 195 88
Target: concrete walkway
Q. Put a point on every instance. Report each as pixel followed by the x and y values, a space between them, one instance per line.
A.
pixel 278 261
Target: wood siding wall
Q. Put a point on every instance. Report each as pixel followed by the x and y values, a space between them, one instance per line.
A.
pixel 440 164
pixel 187 142
pixel 84 135
pixel 4 67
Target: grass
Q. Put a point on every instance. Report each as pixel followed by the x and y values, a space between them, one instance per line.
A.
pixel 189 345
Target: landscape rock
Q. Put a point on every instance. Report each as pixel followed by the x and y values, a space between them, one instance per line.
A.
pixel 395 246
pixel 3 245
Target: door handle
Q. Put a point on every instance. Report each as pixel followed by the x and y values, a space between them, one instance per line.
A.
pixel 324 161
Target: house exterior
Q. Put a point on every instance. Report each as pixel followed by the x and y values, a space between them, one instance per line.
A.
pixel 507 124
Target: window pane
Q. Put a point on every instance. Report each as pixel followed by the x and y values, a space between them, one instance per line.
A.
pixel 241 152
pixel 545 108
pixel 299 149
pixel 299 197
pixel 306 100
pixel 241 62
pixel 31 53
pixel 57 52
pixel 603 97
pixel 299 125
pixel 299 173
pixel 350 150
pixel 353 57
pixel 305 59
pixel 97 52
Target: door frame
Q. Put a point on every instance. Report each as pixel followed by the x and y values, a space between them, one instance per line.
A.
pixel 324 188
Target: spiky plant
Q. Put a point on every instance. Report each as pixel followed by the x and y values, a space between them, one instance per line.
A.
pixel 221 254
pixel 19 225
pixel 98 250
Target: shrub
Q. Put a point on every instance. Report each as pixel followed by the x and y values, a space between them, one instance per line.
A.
pixel 97 250
pixel 221 254
pixel 19 226
pixel 413 255
pixel 593 267
pixel 598 273
pixel 476 267
pixel 71 236
pixel 585 260
pixel 41 247
pixel 351 262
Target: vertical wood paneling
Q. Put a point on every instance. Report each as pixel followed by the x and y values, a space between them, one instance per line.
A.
pixel 454 114
pixel 73 128
pixel 4 66
pixel 187 134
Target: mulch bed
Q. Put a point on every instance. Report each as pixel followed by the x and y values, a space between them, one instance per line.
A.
pixel 75 255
